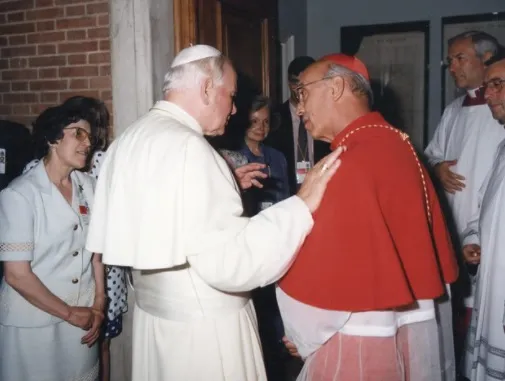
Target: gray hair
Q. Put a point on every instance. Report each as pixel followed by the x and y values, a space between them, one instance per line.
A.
pixel 360 86
pixel 193 73
pixel 482 42
pixel 259 102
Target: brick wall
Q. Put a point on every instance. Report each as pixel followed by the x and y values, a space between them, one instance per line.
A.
pixel 51 50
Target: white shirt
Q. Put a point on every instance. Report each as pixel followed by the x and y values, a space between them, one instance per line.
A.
pixel 295 119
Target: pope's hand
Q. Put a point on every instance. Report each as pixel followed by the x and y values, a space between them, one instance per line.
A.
pixel 248 175
pixel 316 180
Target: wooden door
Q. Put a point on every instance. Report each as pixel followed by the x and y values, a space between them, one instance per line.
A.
pixel 246 31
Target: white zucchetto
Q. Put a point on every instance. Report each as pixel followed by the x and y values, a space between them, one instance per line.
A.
pixel 195 53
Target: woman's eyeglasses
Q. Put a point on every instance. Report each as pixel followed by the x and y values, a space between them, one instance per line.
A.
pixel 81 135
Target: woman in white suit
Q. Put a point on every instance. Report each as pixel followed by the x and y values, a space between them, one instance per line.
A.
pixel 97 115
pixel 52 296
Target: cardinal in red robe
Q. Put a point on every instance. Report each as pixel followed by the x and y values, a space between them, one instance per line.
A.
pixel 359 301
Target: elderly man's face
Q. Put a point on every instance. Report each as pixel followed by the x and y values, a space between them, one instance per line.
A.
pixel 222 104
pixel 466 68
pixel 314 99
pixel 494 83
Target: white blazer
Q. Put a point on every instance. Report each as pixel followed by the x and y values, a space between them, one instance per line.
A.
pixel 38 225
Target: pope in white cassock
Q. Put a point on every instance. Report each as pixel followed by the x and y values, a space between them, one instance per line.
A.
pixel 485 347
pixel 168 205
pixel 462 150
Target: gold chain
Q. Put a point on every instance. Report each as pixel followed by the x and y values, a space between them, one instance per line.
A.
pixel 405 138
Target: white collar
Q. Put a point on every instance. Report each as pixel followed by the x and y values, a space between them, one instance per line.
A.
pixel 472 93
pixel 179 113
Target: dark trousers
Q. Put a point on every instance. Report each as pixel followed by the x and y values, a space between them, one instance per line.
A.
pixel 271 332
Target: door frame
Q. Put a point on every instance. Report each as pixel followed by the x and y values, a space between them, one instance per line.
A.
pixel 190 27
pixel 185 24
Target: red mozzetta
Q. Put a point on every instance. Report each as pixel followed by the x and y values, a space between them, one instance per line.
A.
pixel 372 246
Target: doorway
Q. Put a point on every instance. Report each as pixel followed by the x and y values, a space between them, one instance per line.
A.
pixel 246 32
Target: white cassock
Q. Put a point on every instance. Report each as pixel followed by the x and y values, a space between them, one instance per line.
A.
pixel 485 346
pixel 470 135
pixel 167 205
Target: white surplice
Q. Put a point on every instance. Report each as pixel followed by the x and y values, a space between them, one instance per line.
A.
pixel 485 346
pixel 470 135
pixel 309 328
pixel 167 205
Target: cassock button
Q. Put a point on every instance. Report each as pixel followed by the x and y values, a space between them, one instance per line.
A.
pixel 75 227
pixel 75 254
pixel 75 280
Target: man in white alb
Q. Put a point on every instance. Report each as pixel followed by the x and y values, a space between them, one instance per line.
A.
pixel 484 244
pixel 464 145
pixel 167 205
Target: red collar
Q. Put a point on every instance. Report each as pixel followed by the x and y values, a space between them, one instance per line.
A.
pixel 477 100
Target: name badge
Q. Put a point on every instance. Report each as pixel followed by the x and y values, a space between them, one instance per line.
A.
pixel 84 212
pixel 3 161
pixel 302 168
pixel 264 205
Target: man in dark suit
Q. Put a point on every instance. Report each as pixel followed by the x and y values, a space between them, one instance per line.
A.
pixel 291 138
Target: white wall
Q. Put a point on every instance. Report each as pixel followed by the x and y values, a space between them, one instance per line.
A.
pixel 293 22
pixel 142 47
pixel 326 17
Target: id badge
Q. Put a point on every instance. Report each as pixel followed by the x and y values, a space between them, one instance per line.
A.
pixel 3 160
pixel 84 212
pixel 302 168
pixel 265 204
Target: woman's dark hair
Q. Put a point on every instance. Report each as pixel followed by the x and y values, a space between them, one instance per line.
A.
pixel 49 125
pixel 96 114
